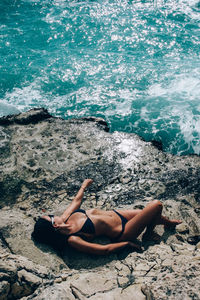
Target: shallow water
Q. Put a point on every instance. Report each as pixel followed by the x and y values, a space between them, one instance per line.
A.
pixel 134 63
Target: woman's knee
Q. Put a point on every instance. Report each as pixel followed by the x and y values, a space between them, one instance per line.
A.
pixel 157 204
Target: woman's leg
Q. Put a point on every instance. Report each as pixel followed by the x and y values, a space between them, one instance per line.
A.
pixel 147 218
pixel 129 213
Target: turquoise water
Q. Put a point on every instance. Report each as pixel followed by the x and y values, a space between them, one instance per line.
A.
pixel 134 63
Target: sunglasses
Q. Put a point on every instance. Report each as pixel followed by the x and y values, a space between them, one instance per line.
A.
pixel 52 219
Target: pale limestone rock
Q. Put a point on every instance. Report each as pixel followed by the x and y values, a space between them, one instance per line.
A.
pixel 64 277
pixel 58 291
pixel 118 265
pixel 58 280
pixel 100 203
pixel 182 228
pixel 8 267
pixel 125 271
pixel 23 262
pixel 198 245
pixel 133 292
pixel 143 267
pixel 197 257
pixel 123 281
pixel 115 294
pixel 28 277
pixel 167 262
pixel 77 293
pixel 147 292
pixel 89 284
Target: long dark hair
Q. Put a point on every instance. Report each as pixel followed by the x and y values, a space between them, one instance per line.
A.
pixel 44 232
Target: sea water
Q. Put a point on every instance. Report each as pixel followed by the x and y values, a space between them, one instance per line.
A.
pixel 134 63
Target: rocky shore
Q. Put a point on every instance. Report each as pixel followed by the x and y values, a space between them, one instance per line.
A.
pixel 43 162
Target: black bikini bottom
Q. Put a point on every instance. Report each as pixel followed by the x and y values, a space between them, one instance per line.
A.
pixel 124 221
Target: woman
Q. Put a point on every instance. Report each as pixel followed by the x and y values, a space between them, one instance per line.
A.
pixel 76 226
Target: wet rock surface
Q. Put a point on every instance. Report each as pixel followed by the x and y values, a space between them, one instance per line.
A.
pixel 43 162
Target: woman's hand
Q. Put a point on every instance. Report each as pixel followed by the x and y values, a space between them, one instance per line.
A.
pixel 86 183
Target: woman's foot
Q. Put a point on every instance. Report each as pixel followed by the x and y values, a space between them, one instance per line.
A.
pixel 171 224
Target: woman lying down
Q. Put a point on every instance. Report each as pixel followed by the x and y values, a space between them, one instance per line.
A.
pixel 77 227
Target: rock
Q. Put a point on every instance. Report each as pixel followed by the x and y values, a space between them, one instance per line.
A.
pixel 4 289
pixel 43 162
pixel 19 289
pixel 8 268
pixel 28 277
pixel 89 284
pixel 132 292
pixel 31 117
pixel 167 263
pixel 147 292
pixel 182 228
pixel 58 280
pixel 58 291
pixel 125 179
pixel 123 281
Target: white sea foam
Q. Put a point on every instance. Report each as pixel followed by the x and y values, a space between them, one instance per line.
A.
pixel 7 109
pixel 25 98
pixel 190 129
pixel 186 85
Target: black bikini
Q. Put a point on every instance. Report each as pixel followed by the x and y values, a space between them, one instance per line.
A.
pixel 88 226
pixel 124 221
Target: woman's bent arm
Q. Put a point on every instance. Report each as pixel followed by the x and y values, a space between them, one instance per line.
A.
pixel 93 248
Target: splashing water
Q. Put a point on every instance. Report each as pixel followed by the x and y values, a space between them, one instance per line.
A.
pixel 134 63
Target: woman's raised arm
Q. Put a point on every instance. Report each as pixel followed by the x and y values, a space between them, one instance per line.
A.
pixel 76 202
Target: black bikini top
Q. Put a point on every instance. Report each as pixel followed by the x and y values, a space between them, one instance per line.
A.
pixel 88 226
